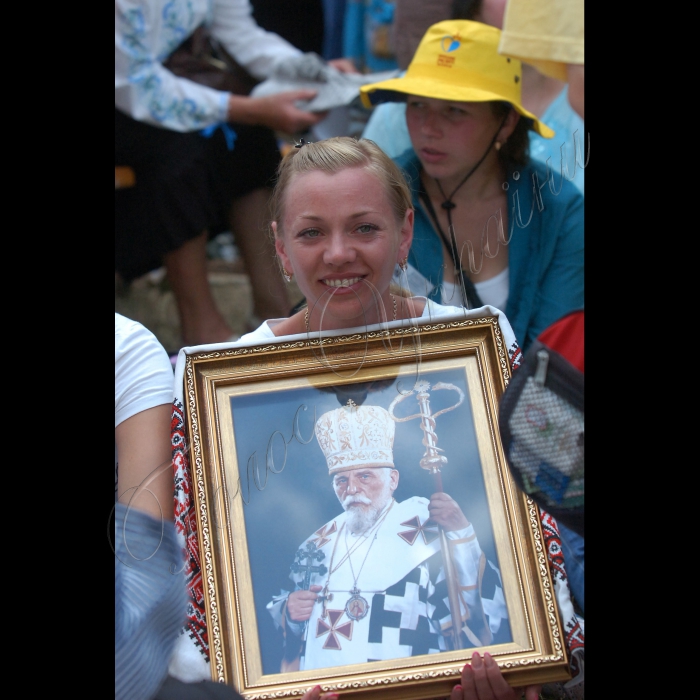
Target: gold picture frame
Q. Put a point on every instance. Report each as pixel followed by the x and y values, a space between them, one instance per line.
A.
pixel 261 487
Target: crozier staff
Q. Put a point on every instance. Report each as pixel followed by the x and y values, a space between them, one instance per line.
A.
pixel 380 592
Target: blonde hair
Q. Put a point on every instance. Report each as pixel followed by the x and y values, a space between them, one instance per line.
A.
pixel 336 154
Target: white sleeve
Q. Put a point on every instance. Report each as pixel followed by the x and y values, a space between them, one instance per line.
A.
pixel 253 47
pixel 143 374
pixel 467 558
pixel 143 88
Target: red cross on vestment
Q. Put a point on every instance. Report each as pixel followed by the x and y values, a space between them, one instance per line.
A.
pixel 345 630
pixel 322 535
pixel 429 532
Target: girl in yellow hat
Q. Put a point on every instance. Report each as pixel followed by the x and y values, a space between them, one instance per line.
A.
pixel 491 226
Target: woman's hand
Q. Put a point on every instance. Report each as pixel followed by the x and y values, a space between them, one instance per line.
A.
pixel 483 680
pixel 315 694
pixel 278 112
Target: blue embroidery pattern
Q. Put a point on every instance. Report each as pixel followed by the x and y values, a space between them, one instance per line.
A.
pixel 178 18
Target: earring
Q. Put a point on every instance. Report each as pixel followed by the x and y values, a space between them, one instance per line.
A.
pixel 287 276
pixel 404 264
pixel 498 145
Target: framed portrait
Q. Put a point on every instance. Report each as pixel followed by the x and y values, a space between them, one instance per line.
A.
pixel 358 524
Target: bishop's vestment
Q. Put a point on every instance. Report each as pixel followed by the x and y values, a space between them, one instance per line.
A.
pixel 401 600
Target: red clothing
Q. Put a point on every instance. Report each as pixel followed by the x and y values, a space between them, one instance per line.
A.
pixel 565 336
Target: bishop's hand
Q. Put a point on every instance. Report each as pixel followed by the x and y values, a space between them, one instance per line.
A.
pixel 301 603
pixel 446 513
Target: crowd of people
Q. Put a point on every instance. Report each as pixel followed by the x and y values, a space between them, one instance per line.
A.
pixel 449 206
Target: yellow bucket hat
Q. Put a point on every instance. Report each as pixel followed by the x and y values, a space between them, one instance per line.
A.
pixel 458 60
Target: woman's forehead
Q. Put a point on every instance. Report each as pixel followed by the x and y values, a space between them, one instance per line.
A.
pixel 355 173
pixel 305 188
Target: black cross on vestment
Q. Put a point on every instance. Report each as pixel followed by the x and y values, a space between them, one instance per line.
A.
pixel 310 553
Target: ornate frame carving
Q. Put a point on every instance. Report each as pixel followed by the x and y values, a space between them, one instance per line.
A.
pixel 214 380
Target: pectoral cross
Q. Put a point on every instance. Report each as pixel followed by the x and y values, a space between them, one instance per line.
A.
pixel 310 553
pixel 325 597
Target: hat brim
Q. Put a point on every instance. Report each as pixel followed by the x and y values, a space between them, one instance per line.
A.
pixel 397 90
pixel 362 465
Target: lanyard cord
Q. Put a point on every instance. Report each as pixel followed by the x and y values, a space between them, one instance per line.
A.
pixel 469 294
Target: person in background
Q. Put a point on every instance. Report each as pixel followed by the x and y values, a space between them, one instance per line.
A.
pixel 149 588
pixel 549 34
pixel 367 36
pixel 202 157
pixel 491 225
pixel 334 21
pixel 545 96
pixel 411 20
pixel 143 398
pixel 149 595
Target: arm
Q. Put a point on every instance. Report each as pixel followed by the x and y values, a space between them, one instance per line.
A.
pixel 145 464
pixel 143 394
pixel 259 51
pixel 278 112
pixel 252 46
pixel 469 564
pixel 147 91
pixel 561 287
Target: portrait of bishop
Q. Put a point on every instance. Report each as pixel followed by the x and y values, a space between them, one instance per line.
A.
pixel 371 584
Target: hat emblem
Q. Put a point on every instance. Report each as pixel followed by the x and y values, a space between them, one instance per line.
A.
pixel 450 43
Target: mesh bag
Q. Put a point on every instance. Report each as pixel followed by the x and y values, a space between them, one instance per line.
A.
pixel 541 424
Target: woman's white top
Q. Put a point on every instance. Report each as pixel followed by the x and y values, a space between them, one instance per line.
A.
pixel 493 291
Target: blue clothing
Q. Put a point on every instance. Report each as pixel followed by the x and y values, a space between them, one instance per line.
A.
pixel 149 601
pixel 333 16
pixel 572 545
pixel 367 35
pixel 569 133
pixel 545 257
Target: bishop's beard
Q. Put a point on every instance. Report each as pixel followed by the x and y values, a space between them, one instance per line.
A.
pixel 360 519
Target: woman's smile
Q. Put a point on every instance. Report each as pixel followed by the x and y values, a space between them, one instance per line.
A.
pixel 345 282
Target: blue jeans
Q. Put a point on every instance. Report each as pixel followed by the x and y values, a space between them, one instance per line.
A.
pixel 572 547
